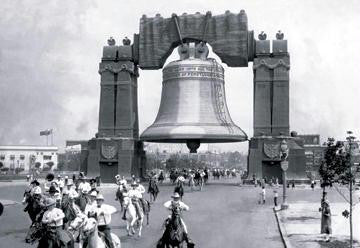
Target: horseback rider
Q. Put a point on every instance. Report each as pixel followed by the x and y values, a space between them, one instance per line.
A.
pixel 36 208
pixel 55 194
pixel 53 218
pixel 83 182
pixel 60 182
pixel 183 207
pixel 91 205
pixel 135 195
pixel 103 213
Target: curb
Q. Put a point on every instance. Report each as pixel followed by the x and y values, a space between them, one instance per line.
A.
pixel 282 231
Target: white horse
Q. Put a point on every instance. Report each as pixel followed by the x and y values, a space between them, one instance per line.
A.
pixel 91 232
pixel 76 227
pixel 132 218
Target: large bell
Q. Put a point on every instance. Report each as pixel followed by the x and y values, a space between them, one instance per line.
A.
pixel 193 106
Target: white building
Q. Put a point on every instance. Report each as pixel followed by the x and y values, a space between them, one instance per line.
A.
pixel 27 157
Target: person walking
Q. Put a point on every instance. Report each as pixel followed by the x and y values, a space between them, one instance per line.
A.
pixel 326 218
pixel 263 194
pixel 312 184
pixel 276 195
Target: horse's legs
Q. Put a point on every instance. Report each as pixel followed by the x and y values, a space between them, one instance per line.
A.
pixel 147 218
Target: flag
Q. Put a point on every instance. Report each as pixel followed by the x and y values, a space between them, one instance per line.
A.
pixel 46 132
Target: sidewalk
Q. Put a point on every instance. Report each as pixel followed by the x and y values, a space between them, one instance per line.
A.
pixel 300 226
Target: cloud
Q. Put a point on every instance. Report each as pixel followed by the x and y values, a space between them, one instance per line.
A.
pixel 50 51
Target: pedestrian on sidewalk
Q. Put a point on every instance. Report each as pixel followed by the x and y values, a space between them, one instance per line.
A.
pixel 312 184
pixel 326 218
pixel 276 195
pixel 263 194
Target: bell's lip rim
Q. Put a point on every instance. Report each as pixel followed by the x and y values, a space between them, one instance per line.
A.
pixel 180 139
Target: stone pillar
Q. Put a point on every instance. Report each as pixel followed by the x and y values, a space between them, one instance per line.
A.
pixel 280 106
pixel 271 87
pixel 262 87
pixel 114 149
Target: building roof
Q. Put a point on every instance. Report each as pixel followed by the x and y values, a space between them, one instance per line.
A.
pixel 28 147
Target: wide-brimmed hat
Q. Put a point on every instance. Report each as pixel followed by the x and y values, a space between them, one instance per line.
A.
pixel 66 177
pixel 49 202
pixel 86 189
pixel 92 180
pixel 35 182
pixel 52 189
pixel 100 197
pixel 59 176
pixel 50 177
pixel 175 195
pixel 37 190
pixel 93 193
pixel 73 194
pixel 133 184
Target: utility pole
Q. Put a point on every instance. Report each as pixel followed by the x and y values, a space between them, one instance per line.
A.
pixel 350 139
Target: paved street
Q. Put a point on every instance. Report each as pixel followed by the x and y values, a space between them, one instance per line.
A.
pixel 222 215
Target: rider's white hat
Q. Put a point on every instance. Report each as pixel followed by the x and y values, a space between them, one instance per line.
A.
pixel 93 193
pixel 175 195
pixel 49 202
pixel 73 194
pixel 99 197
pixel 37 190
pixel 86 188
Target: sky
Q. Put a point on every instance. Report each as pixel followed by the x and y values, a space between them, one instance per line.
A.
pixel 50 53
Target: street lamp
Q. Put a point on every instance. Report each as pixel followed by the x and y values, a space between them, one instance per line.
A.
pixel 284 153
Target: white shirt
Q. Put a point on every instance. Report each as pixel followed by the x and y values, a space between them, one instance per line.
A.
pixel 82 185
pixel 123 182
pixel 90 208
pixel 60 183
pixel 135 193
pixel 183 206
pixel 141 189
pixel 104 213
pixel 56 215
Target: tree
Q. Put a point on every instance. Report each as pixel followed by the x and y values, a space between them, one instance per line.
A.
pixel 333 166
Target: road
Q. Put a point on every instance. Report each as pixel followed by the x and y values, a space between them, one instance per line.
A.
pixel 222 215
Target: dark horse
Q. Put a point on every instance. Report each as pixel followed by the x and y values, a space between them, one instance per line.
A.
pixel 47 237
pixel 119 196
pixel 33 206
pixel 153 189
pixel 179 189
pixel 174 235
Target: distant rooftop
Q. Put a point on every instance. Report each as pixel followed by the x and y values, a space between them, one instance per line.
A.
pixel 28 147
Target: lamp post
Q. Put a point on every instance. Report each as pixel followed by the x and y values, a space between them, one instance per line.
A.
pixel 284 153
pixel 350 139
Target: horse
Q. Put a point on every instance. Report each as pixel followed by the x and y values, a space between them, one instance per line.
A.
pixel 173 176
pixel 95 240
pixel 161 178
pixel 179 189
pixel 32 206
pixel 35 232
pixel 69 212
pixel 47 236
pixel 132 218
pixel 153 190
pixel 174 235
pixel 81 201
pixel 191 181
pixel 120 196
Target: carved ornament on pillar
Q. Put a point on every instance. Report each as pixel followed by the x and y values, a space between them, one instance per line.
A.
pixel 119 67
